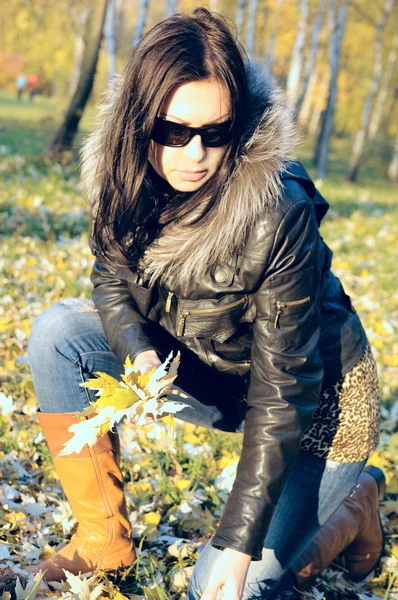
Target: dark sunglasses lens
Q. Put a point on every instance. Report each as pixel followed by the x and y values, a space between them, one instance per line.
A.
pixel 168 133
pixel 216 136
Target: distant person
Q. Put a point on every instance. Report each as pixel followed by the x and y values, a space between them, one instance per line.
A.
pixel 33 86
pixel 20 85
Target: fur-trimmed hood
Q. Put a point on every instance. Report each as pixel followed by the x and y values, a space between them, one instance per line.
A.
pixel 184 250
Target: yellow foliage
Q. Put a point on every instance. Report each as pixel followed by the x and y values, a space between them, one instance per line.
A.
pixel 227 461
pixel 390 360
pixel 191 438
pixel 152 518
pixel 381 329
pixel 138 488
pixel 47 552
pixel 5 322
pixel 14 517
pixel 119 596
pixel 182 484
pixel 120 398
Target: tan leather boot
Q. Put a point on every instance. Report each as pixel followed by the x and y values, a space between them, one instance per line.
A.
pixel 354 530
pixel 93 484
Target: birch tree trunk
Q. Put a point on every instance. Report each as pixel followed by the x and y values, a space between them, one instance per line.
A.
pixel 79 20
pixel 141 22
pixel 337 19
pixel 384 87
pixel 310 62
pixel 393 166
pixel 269 60
pixel 251 27
pixel 307 106
pixel 318 107
pixel 65 135
pixel 110 24
pixel 362 133
pixel 296 63
pixel 240 16
pixel 171 8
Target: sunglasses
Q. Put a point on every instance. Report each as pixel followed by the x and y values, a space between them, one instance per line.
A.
pixel 168 133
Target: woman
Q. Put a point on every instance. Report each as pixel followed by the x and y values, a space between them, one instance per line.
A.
pixel 206 241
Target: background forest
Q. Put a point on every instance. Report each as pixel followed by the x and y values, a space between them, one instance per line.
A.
pixel 337 62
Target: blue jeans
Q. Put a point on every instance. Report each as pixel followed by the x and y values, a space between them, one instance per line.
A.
pixel 67 344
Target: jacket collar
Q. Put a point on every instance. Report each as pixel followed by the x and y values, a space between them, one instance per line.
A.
pixel 185 251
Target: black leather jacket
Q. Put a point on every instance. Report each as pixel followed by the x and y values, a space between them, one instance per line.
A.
pixel 277 311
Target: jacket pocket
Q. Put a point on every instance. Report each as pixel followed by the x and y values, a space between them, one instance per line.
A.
pixel 291 308
pixel 215 319
pixel 291 321
pixel 281 306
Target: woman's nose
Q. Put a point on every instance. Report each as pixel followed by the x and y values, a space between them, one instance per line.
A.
pixel 195 149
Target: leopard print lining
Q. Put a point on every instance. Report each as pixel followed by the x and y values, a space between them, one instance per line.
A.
pixel 346 423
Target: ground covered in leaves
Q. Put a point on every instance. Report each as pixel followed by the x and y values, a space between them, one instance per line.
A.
pixel 176 494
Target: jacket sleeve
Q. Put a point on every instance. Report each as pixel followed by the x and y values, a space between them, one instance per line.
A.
pixel 127 330
pixel 285 380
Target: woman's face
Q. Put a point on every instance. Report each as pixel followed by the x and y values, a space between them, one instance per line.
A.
pixel 195 104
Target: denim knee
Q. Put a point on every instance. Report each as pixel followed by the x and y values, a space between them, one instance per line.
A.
pixel 51 332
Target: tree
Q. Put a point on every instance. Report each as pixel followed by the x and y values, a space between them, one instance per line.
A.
pixel 251 27
pixel 296 63
pixel 384 87
pixel 141 21
pixel 269 60
pixel 337 20
pixel 310 62
pixel 63 140
pixel 393 166
pixel 171 7
pixel 362 133
pixel 79 17
pixel 110 22
pixel 240 16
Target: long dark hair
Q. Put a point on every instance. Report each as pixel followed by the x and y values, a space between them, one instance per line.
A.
pixel 133 203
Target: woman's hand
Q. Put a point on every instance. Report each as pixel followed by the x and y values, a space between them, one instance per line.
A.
pixel 145 361
pixel 228 576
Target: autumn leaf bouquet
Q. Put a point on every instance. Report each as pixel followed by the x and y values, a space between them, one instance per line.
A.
pixel 136 397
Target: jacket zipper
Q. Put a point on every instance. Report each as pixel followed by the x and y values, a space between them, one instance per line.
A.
pixel 205 311
pixel 168 301
pixel 281 305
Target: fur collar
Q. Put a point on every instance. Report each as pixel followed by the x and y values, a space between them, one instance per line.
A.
pixel 185 251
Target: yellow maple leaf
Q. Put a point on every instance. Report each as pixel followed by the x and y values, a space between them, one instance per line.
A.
pixel 47 552
pixel 119 398
pixel 103 382
pixel 143 378
pixel 183 484
pixel 14 517
pixel 152 518
pixel 394 550
pixel 128 364
pixel 119 596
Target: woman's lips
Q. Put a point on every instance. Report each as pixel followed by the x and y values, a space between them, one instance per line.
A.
pixel 192 175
